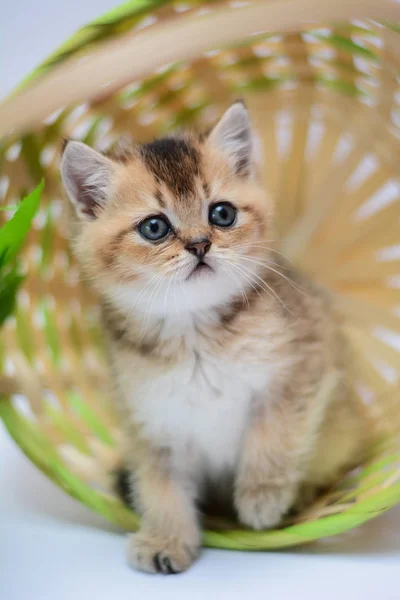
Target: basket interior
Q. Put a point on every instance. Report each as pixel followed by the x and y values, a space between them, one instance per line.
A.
pixel 326 105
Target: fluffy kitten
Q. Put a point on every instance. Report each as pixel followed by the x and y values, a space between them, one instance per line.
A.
pixel 229 367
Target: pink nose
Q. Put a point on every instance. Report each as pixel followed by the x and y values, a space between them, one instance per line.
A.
pixel 199 247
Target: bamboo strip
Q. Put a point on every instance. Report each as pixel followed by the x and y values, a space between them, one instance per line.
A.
pixel 75 80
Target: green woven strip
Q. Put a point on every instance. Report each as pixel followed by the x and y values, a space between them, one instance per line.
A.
pixel 381 464
pixel 9 207
pixel 30 150
pixel 25 333
pixel 307 532
pixel 345 44
pixel 43 454
pixel 75 335
pixel 68 429
pixel 47 240
pixel 51 332
pixel 91 420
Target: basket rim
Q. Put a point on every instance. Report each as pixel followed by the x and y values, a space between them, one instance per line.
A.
pixel 66 77
pixel 44 456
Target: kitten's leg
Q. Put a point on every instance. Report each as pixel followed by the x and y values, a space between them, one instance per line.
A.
pixel 278 445
pixel 169 537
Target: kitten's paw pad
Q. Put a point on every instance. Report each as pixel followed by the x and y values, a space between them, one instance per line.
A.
pixel 152 554
pixel 263 506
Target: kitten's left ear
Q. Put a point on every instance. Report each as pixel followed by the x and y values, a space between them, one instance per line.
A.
pixel 234 137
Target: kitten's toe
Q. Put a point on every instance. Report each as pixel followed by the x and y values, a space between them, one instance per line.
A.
pixel 154 555
pixel 264 506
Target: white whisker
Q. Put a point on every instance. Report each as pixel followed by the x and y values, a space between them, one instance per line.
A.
pixel 268 264
pixel 166 297
pixel 246 277
pixel 261 261
pixel 261 245
pixel 152 298
pixel 242 290
pixel 263 284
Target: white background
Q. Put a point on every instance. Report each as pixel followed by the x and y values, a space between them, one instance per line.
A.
pixel 52 547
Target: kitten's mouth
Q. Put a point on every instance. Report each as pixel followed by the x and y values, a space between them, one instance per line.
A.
pixel 200 268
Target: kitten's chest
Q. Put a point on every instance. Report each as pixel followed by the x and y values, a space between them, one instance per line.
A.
pixel 201 406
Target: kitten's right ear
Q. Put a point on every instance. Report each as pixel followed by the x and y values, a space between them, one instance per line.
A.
pixel 86 175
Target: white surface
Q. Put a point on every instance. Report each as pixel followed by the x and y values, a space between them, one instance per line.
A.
pixel 52 547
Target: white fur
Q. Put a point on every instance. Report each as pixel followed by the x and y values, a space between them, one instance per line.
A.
pixel 200 407
pixel 178 296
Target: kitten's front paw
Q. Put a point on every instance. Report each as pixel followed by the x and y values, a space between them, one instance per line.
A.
pixel 264 506
pixel 155 554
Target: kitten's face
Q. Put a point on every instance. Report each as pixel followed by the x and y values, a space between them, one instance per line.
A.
pixel 178 225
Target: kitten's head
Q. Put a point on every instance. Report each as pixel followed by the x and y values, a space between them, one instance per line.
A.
pixel 176 225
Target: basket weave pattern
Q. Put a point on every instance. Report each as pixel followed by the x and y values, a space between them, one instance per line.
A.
pixel 325 100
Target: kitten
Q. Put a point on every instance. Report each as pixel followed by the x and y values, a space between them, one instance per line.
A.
pixel 229 366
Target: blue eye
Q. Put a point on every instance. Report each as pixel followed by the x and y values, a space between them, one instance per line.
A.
pixel 154 229
pixel 222 214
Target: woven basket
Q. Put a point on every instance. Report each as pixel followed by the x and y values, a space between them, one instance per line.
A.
pixel 321 81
